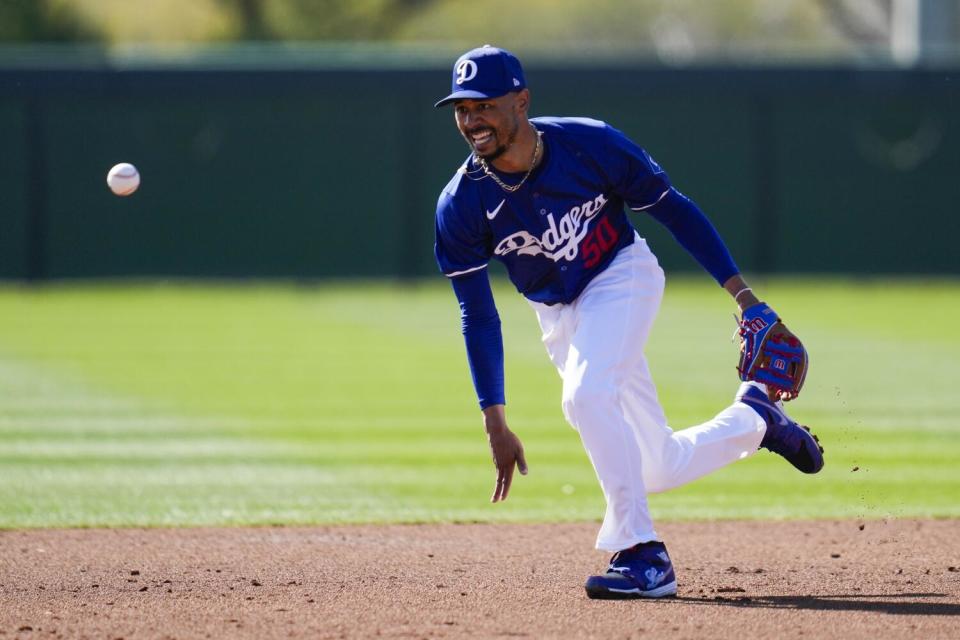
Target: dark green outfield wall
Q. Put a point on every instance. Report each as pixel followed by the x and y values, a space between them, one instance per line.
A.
pixel 336 172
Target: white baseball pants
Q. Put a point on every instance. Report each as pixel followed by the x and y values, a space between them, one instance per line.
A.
pixel 597 344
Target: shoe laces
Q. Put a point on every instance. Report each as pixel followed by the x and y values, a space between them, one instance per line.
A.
pixel 635 550
pixel 613 563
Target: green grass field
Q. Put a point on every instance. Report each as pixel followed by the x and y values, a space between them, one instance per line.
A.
pixel 203 404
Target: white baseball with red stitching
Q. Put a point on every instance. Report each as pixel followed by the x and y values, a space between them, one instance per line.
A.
pixel 123 179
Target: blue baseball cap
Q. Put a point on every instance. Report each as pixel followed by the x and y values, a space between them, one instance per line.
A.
pixel 485 72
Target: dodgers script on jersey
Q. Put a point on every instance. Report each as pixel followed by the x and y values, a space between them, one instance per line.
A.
pixel 564 225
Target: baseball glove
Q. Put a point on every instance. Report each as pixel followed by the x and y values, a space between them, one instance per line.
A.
pixel 770 353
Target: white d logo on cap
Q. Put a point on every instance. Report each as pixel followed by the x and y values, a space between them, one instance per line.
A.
pixel 466 71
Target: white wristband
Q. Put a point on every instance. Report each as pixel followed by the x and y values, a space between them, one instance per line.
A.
pixel 736 298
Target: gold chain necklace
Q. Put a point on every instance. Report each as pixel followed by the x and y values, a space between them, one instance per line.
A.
pixel 533 163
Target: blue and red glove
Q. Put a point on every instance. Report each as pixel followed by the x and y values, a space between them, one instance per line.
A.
pixel 770 353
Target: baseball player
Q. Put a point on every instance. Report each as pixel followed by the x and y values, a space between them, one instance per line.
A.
pixel 546 197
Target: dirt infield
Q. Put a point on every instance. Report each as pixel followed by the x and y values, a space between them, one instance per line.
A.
pixel 737 579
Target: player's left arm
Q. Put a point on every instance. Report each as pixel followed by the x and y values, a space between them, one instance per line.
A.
pixel 770 352
pixel 645 187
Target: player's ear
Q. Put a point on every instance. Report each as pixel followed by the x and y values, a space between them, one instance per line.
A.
pixel 522 101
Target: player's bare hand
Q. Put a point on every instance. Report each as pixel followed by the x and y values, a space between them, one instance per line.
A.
pixel 507 453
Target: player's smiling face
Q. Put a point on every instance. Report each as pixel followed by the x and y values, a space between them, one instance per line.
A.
pixel 489 125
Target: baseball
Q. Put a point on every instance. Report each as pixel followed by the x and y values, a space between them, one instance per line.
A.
pixel 123 179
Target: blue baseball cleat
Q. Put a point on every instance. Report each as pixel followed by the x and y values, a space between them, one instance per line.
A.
pixel 642 571
pixel 783 436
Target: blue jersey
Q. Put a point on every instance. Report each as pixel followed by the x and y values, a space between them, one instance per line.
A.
pixel 564 225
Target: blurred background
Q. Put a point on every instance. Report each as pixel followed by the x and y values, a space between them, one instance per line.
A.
pixel 260 334
pixel 296 138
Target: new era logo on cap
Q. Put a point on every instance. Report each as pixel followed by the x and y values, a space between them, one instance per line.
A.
pixel 485 72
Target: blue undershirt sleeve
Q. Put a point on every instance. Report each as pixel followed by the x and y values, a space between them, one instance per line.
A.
pixel 693 230
pixel 480 324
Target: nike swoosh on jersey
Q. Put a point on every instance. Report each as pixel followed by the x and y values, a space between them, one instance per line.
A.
pixel 493 214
